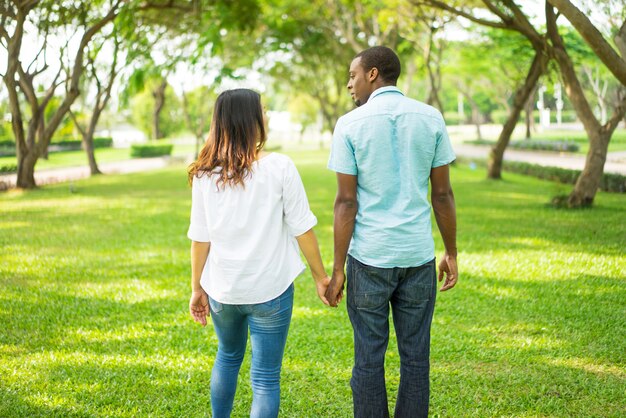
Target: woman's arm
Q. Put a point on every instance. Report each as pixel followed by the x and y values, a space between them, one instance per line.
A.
pixel 310 249
pixel 199 302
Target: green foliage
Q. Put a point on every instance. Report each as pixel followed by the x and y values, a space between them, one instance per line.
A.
pixel 610 182
pixel 534 144
pixel 453 118
pixel 171 117
pixel 150 150
pixel 104 331
pixel 102 142
pixel 9 168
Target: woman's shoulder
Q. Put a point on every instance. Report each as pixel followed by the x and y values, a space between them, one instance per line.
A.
pixel 278 159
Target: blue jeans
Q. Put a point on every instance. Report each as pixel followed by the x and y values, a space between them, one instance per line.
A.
pixel 411 293
pixel 268 323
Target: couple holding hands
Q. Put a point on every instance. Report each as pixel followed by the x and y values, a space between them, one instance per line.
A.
pixel 250 217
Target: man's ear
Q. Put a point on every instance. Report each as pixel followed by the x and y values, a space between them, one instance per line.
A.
pixel 372 74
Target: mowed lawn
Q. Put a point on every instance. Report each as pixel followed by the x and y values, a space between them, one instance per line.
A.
pixel 94 288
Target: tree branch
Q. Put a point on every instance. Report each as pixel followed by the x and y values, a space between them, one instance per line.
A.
pixel 77 70
pixel 593 37
pixel 443 6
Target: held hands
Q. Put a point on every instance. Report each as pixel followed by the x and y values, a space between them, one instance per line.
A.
pixel 321 285
pixel 448 266
pixel 199 306
pixel 334 293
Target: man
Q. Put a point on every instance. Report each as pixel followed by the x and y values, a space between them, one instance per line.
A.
pixel 385 152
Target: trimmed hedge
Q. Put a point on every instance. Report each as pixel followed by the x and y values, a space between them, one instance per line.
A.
pixel 610 182
pixel 102 142
pixel 9 168
pixel 536 145
pixel 501 116
pixel 562 146
pixel 150 150
pixel 7 143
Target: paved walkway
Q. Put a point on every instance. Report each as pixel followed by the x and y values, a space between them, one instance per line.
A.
pixel 616 163
pixel 59 175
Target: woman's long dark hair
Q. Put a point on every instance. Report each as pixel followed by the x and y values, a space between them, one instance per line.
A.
pixel 237 135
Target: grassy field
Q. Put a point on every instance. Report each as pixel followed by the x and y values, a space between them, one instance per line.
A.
pixel 95 289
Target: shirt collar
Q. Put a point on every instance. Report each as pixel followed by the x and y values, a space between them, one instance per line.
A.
pixel 386 89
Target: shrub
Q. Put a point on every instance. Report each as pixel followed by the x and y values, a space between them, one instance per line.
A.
pixel 102 142
pixel 8 168
pixel 7 143
pixel 538 145
pixel 561 146
pixel 453 118
pixel 609 183
pixel 66 144
pixel 150 150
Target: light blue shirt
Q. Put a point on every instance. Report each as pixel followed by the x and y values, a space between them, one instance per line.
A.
pixel 391 143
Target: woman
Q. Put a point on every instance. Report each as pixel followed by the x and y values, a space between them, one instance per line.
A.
pixel 247 208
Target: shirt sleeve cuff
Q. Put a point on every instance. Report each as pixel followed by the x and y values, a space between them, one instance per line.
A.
pixel 198 234
pixel 443 162
pixel 342 170
pixel 309 222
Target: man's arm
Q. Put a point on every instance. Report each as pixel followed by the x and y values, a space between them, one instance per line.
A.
pixel 445 213
pixel 345 213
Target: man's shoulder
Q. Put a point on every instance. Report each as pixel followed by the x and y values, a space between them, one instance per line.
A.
pixel 416 106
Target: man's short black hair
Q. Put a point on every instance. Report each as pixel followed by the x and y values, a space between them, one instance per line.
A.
pixel 384 59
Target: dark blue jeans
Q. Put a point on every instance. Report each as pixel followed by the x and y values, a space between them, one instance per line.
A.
pixel 268 324
pixel 411 293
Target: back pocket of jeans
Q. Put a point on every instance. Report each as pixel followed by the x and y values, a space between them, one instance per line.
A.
pixel 368 300
pixel 266 308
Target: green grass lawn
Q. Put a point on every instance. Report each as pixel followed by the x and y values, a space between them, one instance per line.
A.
pixel 95 287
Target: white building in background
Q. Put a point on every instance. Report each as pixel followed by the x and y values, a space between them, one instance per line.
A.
pixel 123 135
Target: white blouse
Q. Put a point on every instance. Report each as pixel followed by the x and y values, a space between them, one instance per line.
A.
pixel 254 256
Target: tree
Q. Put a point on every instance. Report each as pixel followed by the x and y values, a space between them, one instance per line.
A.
pixel 198 111
pixel 510 18
pixel 599 134
pixel 102 96
pixel 318 39
pixel 46 16
pixel 547 47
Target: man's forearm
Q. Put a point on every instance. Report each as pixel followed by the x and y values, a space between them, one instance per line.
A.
pixel 345 214
pixel 199 255
pixel 445 215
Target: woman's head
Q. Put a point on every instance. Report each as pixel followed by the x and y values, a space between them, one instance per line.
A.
pixel 237 135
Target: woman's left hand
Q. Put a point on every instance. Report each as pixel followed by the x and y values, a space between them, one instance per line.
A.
pixel 199 306
pixel 321 286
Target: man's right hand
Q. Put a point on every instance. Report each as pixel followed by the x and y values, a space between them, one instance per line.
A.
pixel 334 293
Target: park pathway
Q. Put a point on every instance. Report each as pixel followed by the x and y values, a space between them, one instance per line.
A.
pixel 64 174
pixel 616 163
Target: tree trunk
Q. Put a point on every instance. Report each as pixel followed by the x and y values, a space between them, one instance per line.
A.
pixel 494 165
pixel 588 182
pixel 159 102
pixel 599 135
pixel 26 170
pixel 89 146
pixel 476 117
pixel 530 120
